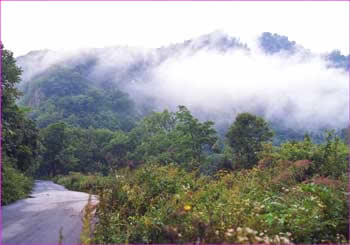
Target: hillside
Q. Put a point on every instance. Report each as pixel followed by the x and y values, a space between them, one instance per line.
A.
pixel 113 87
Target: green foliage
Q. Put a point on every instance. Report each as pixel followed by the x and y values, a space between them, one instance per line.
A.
pixel 19 141
pixel 333 157
pixel 74 149
pixel 87 183
pixel 152 138
pixel 246 136
pixel 195 135
pixel 19 135
pixel 55 155
pixel 296 193
pixel 65 95
pixel 15 185
pixel 166 204
pixel 116 150
pixel 329 158
pixel 168 178
pixel 167 137
pixel 300 150
pixel 10 76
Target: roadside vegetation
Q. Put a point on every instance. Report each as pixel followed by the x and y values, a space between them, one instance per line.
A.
pixel 295 193
pixel 19 140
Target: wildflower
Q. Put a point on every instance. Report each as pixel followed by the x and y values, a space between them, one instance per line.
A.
pixel 258 239
pixel 147 222
pixel 228 234
pixel 187 207
pixel 277 239
pixel 230 230
pixel 249 231
pixel 266 239
pixel 321 205
pixel 216 232
pixel 284 240
pixel 241 239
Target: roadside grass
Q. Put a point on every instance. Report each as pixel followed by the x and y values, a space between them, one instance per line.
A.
pixel 88 222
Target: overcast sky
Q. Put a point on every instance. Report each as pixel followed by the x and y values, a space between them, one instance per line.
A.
pixel 26 26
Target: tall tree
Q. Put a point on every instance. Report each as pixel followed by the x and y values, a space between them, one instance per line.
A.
pixel 196 135
pixel 54 141
pixel 20 142
pixel 116 150
pixel 19 136
pixel 246 136
pixel 167 137
pixel 152 139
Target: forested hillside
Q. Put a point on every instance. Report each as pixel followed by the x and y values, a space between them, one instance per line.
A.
pixel 113 87
pixel 178 154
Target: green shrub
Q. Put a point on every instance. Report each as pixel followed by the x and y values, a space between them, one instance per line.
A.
pixel 86 183
pixel 15 185
pixel 296 193
pixel 166 204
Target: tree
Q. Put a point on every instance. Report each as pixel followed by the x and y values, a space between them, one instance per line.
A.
pixel 153 138
pixel 117 149
pixel 166 137
pixel 195 135
pixel 10 76
pixel 53 138
pixel 246 136
pixel 20 142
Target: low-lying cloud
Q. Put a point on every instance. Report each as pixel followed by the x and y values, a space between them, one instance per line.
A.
pixel 299 89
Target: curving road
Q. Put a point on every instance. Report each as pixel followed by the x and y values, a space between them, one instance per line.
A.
pixel 38 219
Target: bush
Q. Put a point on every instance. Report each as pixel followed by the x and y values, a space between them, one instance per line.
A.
pixel 296 193
pixel 15 185
pixel 85 183
pixel 166 204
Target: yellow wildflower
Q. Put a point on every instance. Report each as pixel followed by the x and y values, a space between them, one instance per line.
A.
pixel 187 207
pixel 148 222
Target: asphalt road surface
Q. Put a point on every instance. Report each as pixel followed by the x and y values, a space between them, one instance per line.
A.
pixel 38 219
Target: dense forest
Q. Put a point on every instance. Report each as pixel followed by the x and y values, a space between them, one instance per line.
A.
pixel 166 176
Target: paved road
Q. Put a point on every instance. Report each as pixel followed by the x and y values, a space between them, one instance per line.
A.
pixel 38 220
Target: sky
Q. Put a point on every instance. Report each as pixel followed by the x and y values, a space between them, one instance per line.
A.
pixel 26 26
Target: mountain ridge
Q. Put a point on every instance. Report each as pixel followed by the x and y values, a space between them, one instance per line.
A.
pixel 133 73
